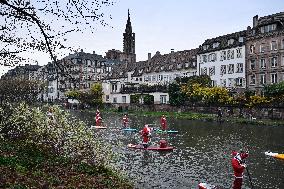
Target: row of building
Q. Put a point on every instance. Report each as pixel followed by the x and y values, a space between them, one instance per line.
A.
pixel 246 59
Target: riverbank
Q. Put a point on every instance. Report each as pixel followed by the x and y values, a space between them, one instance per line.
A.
pixel 28 166
pixel 200 116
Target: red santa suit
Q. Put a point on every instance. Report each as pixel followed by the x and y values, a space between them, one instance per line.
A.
pixel 146 132
pixel 164 123
pixel 239 167
pixel 125 121
pixel 98 120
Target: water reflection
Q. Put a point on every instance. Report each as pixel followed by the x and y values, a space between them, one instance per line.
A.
pixel 201 154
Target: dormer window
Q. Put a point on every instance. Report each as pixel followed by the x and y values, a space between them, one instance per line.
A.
pixel 241 39
pixel 140 71
pixel 162 67
pixel 268 28
pixel 216 45
pixel 231 41
pixel 205 47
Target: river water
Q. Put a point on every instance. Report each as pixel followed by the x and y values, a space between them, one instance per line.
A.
pixel 202 153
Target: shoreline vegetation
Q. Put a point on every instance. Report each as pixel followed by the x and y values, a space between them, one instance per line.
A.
pixel 45 147
pixel 201 117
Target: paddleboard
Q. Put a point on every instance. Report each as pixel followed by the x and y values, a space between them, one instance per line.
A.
pixel 207 186
pixel 275 155
pixel 129 129
pixel 157 148
pixel 98 127
pixel 167 131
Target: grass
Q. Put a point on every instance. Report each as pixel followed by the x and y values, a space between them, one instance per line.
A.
pixel 28 166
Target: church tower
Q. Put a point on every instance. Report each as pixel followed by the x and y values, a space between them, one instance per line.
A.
pixel 129 40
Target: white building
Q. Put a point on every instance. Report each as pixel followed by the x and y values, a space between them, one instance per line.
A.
pixel 223 59
pixel 156 73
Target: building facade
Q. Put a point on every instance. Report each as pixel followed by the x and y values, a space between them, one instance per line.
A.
pixel 223 59
pixel 265 51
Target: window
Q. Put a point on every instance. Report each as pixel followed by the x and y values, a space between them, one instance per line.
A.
pixel 232 54
pixel 231 82
pixel 229 55
pixel 252 49
pixel 274 78
pixel 282 43
pixel 262 63
pixel 223 55
pixel 239 82
pixel 107 97
pixel 204 58
pixel 212 57
pixel 273 45
pixel 212 71
pixel 223 82
pixel 163 99
pixel 205 47
pixel 282 63
pixel 203 71
pixel 123 99
pixel 239 68
pixel 273 62
pixel 223 69
pixel 216 45
pixel 252 79
pixel 268 28
pixel 230 68
pixel 153 78
pixel 213 83
pixel 239 52
pixel 231 41
pixel 262 47
pixel 262 79
pixel 252 64
pixel 114 99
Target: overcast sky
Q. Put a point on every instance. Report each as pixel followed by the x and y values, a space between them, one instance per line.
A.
pixel 162 25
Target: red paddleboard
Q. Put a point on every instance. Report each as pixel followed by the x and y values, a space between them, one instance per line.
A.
pixel 157 148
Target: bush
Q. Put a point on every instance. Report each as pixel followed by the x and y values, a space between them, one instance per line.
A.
pixel 59 132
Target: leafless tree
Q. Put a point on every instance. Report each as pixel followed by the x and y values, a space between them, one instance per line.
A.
pixel 44 25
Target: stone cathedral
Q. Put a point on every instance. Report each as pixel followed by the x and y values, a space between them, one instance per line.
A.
pixel 128 55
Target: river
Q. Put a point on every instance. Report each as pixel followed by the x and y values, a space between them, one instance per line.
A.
pixel 202 153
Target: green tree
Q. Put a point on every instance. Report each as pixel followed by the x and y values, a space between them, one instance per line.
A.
pixel 176 95
pixel 19 90
pixel 148 99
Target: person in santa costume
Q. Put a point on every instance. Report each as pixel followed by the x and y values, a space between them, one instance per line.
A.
pixel 146 134
pixel 239 166
pixel 163 122
pixel 98 118
pixel 125 120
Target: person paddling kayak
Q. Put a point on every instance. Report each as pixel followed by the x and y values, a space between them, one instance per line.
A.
pixel 163 123
pixel 125 121
pixel 238 167
pixel 145 133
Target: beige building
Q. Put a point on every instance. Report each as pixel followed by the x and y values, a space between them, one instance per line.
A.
pixel 265 51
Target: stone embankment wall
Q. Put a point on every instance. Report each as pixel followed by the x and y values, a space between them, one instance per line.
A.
pixel 258 113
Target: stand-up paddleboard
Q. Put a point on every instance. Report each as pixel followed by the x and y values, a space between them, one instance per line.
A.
pixel 167 131
pixel 129 129
pixel 98 127
pixel 275 155
pixel 208 186
pixel 157 148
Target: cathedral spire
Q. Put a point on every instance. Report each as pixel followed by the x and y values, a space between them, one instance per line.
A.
pixel 128 38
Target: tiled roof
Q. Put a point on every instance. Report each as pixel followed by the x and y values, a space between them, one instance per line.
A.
pixel 223 42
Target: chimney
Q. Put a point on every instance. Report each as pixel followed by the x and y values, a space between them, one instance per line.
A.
pixel 255 21
pixel 94 52
pixel 149 57
pixel 82 50
pixel 172 50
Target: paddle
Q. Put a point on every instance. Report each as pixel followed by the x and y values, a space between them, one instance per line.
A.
pixel 251 185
